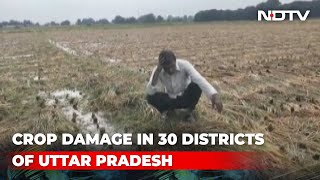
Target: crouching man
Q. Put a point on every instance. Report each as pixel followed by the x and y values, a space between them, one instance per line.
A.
pixel 183 86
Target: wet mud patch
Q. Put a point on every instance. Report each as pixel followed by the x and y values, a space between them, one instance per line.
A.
pixel 73 105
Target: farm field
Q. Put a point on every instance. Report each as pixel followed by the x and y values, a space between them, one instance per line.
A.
pixel 92 79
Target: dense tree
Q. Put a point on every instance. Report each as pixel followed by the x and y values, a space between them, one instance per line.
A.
pixel 65 23
pixel 79 22
pixel 148 18
pixel 250 13
pixel 102 21
pixel 269 5
pixel 27 23
pixel 14 23
pixel 122 20
pixel 52 23
pixel 131 20
pixel 119 20
pixel 88 21
pixel 160 19
pixel 303 6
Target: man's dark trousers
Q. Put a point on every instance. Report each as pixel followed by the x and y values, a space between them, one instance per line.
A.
pixel 188 100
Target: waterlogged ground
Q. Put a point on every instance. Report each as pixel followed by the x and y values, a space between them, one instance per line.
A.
pixel 92 79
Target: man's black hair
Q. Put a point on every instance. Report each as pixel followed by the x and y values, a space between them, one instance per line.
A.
pixel 166 57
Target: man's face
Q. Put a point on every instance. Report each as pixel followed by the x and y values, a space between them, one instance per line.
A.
pixel 170 68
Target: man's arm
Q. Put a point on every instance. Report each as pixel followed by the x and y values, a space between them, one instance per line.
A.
pixel 205 86
pixel 151 86
pixel 155 75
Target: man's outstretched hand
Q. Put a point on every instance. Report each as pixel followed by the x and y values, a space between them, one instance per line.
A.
pixel 216 103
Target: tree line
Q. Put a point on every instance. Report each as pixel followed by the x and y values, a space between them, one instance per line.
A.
pixel 144 19
pixel 251 12
pixel 248 13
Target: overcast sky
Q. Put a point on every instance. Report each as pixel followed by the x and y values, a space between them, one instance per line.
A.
pixel 57 10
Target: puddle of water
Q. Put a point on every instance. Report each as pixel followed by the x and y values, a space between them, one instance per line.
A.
pixel 87 53
pixel 63 48
pixel 111 60
pixel 37 78
pixel 72 104
pixel 67 94
pixel 18 56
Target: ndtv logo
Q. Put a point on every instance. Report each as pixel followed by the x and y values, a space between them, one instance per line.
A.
pixel 280 15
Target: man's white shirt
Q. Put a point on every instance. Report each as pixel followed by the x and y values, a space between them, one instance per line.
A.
pixel 177 83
